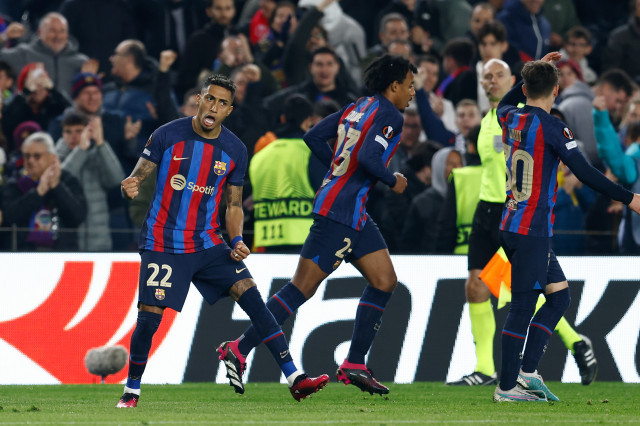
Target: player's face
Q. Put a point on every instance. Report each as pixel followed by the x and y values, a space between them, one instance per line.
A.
pixel 54 34
pixel 479 17
pixel 496 80
pixel 467 116
pixel 405 92
pixel 490 48
pixel 214 106
pixel 72 135
pixel 89 99
pixel 36 159
pixel 222 12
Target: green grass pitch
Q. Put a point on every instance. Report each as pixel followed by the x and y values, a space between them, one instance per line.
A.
pixel 271 403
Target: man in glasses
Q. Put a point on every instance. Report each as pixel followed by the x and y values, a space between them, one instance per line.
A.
pixel 46 202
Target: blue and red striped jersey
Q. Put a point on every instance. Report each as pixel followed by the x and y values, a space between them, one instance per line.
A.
pixel 534 141
pixel 183 216
pixel 366 136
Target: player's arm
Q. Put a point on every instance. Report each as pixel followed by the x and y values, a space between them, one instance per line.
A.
pixel 316 138
pixel 370 158
pixel 131 185
pixel 234 219
pixel 513 97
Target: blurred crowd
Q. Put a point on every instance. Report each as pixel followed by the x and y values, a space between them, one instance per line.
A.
pixel 83 84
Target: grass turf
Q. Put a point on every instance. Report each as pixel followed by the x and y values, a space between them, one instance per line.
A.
pixel 418 403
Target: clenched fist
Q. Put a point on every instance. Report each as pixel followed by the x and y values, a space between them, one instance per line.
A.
pixel 130 187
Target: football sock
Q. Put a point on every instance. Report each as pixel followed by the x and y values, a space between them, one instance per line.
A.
pixel 146 326
pixel 367 324
pixel 282 305
pixel 542 326
pixel 567 333
pixel 267 327
pixel 483 328
pixel 514 334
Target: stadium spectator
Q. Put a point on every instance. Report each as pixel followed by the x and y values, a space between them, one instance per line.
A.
pixel 562 16
pixel 461 81
pixel 37 100
pixel 417 170
pixel 235 53
pixel 623 47
pixel 323 84
pixel 7 78
pixel 421 18
pixel 615 85
pixel 46 201
pixel 427 79
pixel 15 162
pixel 481 13
pixel 577 46
pixel 259 25
pixel 420 227
pixel 393 26
pixel 133 89
pixel 98 26
pixel 85 154
pixel 527 28
pixel 52 47
pixel 411 133
pixel 453 17
pixel 203 46
pixel 87 100
pixel 285 172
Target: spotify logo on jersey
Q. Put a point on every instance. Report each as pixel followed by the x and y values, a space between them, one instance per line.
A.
pixel 178 182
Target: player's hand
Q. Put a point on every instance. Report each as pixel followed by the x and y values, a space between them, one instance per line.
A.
pixel 401 183
pixel 130 187
pixel 252 72
pixel 551 57
pixel 635 203
pixel 240 251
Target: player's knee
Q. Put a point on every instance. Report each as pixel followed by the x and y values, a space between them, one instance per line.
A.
pixel 524 302
pixel 386 283
pixel 238 288
pixel 559 300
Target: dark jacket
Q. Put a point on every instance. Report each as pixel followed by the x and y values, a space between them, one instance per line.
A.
pixel 526 32
pixel 623 49
pixel 66 202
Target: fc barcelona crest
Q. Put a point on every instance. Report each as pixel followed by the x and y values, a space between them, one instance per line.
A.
pixel 159 293
pixel 220 168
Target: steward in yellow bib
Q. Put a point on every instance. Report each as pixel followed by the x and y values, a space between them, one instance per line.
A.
pixel 284 177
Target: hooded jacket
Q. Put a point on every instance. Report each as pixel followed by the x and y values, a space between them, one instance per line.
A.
pixel 62 67
pixel 575 105
pixel 526 32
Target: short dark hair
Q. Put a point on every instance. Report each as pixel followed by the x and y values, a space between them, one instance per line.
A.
pixel 136 49
pixel 191 92
pixel 325 107
pixel 73 118
pixel 8 70
pixel 432 59
pixel 324 50
pixel 540 78
pixel 579 31
pixel 297 108
pixel 618 79
pixel 460 49
pixel 393 16
pixel 221 81
pixel 496 28
pixel 386 69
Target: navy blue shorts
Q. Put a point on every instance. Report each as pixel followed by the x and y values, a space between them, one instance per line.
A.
pixel 165 277
pixel 533 263
pixel 330 242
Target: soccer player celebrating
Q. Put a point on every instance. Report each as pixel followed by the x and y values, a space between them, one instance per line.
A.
pixel 198 160
pixel 534 142
pixel 368 132
pixel 484 241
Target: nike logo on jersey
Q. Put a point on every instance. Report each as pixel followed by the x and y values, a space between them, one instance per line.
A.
pixel 284 354
pixel 239 270
pixel 180 158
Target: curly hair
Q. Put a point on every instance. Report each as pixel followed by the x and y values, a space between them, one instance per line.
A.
pixel 382 72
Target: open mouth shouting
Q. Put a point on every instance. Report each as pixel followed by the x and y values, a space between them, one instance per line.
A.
pixel 209 121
